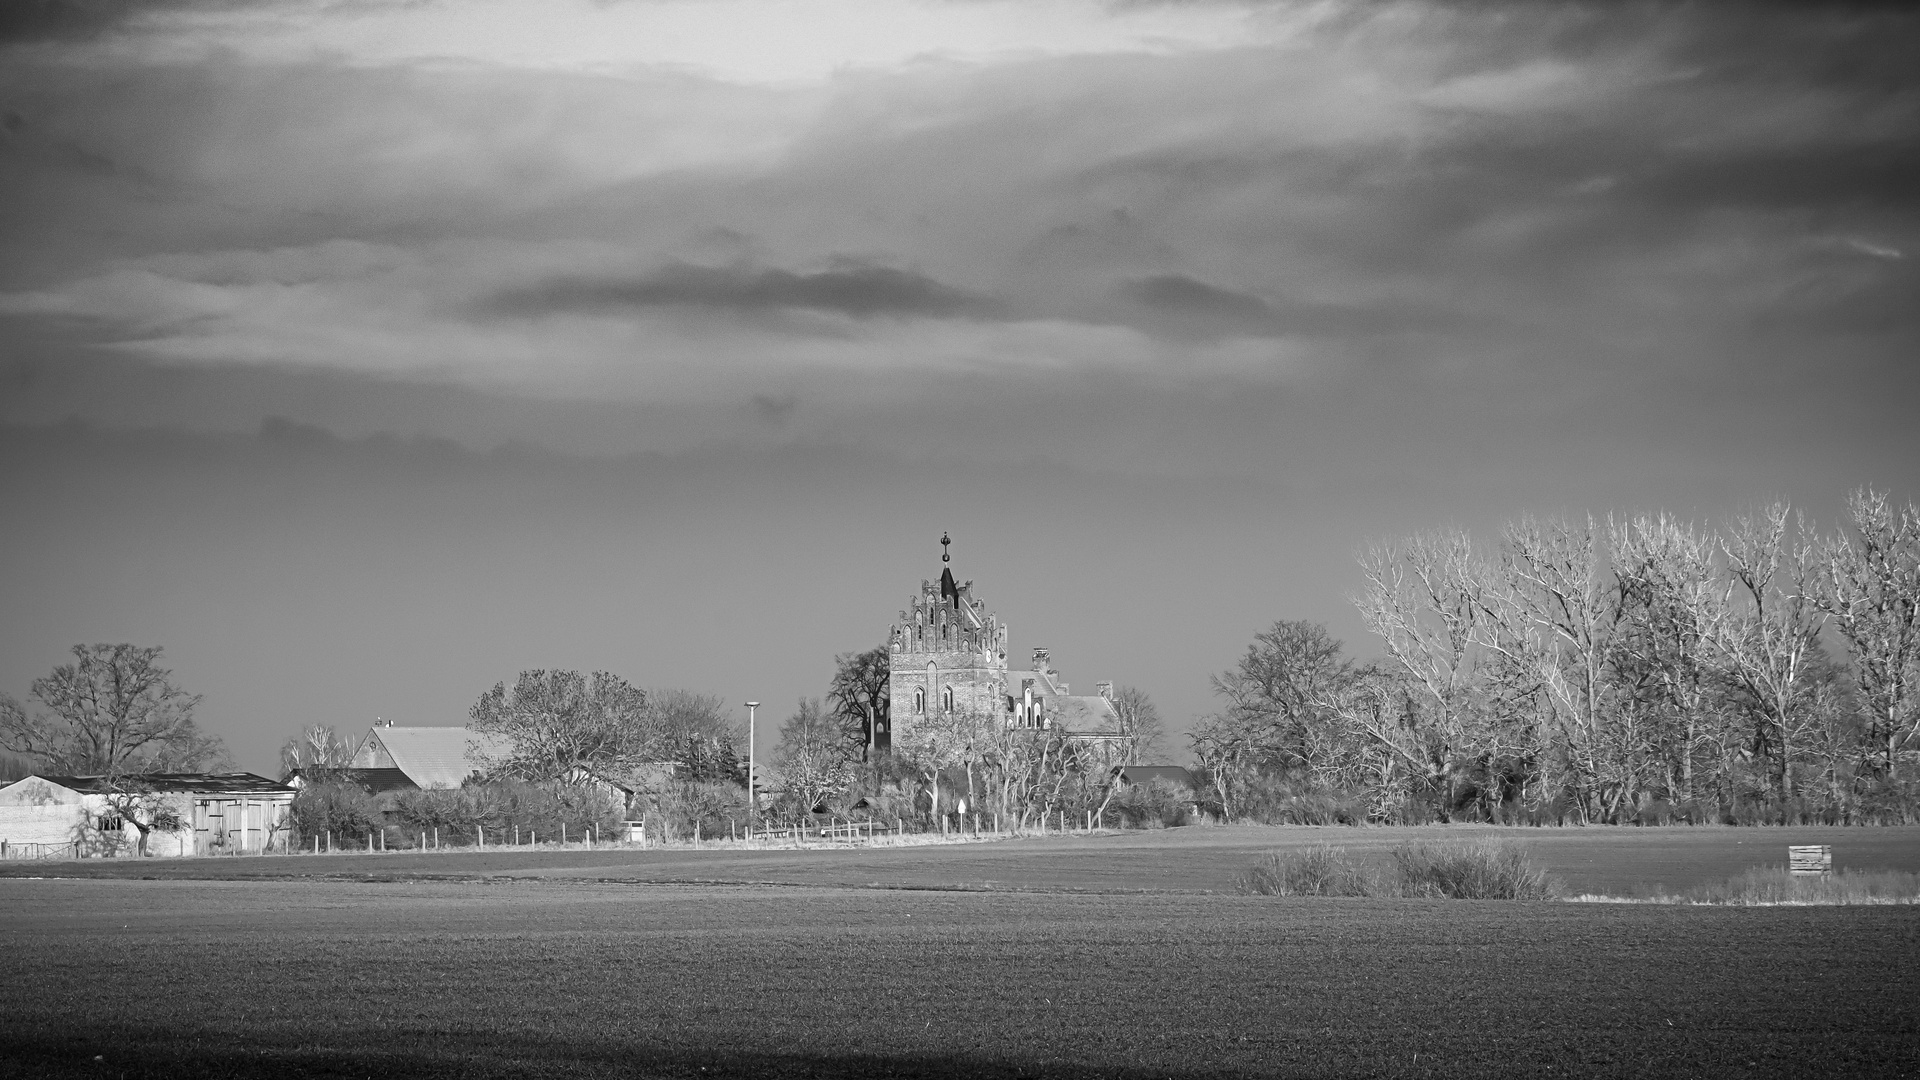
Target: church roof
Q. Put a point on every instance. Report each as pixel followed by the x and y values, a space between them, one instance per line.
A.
pixel 1077 715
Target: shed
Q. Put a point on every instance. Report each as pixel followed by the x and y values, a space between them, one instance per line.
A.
pixel 222 812
pixel 37 814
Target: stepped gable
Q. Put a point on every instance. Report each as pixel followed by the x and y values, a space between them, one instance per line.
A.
pixel 948 654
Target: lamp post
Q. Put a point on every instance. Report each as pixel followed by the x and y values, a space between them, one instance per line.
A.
pixel 753 795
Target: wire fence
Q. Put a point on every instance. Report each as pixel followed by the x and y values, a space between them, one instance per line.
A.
pixel 28 852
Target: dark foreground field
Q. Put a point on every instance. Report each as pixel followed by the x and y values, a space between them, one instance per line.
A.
pixel 573 978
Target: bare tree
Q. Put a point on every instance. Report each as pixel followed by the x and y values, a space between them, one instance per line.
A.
pixel 859 695
pixel 1279 692
pixel 1668 599
pixel 1140 722
pixel 699 731
pixel 316 753
pixel 1427 601
pixel 813 759
pixel 1869 585
pixel 944 739
pixel 1554 613
pixel 137 802
pixel 562 725
pixel 1769 627
pixel 114 711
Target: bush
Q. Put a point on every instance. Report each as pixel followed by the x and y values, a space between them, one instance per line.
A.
pixel 344 810
pixel 504 808
pixel 1155 805
pixel 716 808
pixel 1279 799
pixel 1470 870
pixel 1317 871
pixel 1775 885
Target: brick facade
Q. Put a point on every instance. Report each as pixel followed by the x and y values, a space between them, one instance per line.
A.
pixel 947 653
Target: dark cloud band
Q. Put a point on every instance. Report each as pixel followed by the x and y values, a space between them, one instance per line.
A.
pixel 857 289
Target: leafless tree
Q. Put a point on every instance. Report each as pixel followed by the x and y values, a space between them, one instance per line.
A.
pixel 1668 598
pixel 1869 585
pixel 1140 722
pixel 858 694
pixel 1552 613
pixel 316 753
pixel 1427 601
pixel 139 803
pixel 565 726
pixel 1768 628
pixel 813 759
pixel 113 711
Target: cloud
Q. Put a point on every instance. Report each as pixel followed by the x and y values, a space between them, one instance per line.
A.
pixel 1183 306
pixel 847 287
pixel 775 409
pixel 69 20
pixel 1405 191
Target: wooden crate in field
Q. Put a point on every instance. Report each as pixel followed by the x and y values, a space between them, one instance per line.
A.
pixel 1810 858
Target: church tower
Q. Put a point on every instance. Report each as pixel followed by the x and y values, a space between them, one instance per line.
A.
pixel 946 654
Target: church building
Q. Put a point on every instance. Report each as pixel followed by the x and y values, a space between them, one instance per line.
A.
pixel 948 654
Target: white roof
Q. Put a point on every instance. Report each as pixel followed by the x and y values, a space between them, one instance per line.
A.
pixel 432 757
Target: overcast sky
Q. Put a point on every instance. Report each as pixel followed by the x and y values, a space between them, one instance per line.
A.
pixel 362 354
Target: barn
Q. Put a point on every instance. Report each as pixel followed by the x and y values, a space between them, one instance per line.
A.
pixel 70 816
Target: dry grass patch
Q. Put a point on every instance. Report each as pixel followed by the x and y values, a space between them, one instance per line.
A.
pixel 1457 870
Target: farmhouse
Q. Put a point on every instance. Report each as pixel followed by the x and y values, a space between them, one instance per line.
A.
pixel 393 758
pixel 74 815
pixel 426 757
pixel 948 654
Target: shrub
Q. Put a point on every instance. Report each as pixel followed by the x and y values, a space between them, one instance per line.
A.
pixel 345 810
pixel 1279 799
pixel 715 807
pixel 507 807
pixel 1317 871
pixel 1470 870
pixel 1775 885
pixel 1155 805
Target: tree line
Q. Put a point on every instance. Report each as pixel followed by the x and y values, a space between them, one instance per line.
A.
pixel 1640 668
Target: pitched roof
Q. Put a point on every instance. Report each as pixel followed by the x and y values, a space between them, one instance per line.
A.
pixel 37 791
pixel 234 783
pixel 1077 715
pixel 432 757
pixel 373 781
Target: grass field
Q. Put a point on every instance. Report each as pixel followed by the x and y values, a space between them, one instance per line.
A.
pixel 530 967
pixel 1612 861
pixel 552 979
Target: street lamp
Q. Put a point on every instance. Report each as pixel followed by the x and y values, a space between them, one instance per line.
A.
pixel 753 796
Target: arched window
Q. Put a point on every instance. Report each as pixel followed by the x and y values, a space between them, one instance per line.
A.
pixel 919 700
pixel 946 698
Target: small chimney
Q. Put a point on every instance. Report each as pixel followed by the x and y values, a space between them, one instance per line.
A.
pixel 1105 689
pixel 1040 658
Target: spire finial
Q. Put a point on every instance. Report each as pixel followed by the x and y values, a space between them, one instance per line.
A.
pixel 944 541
